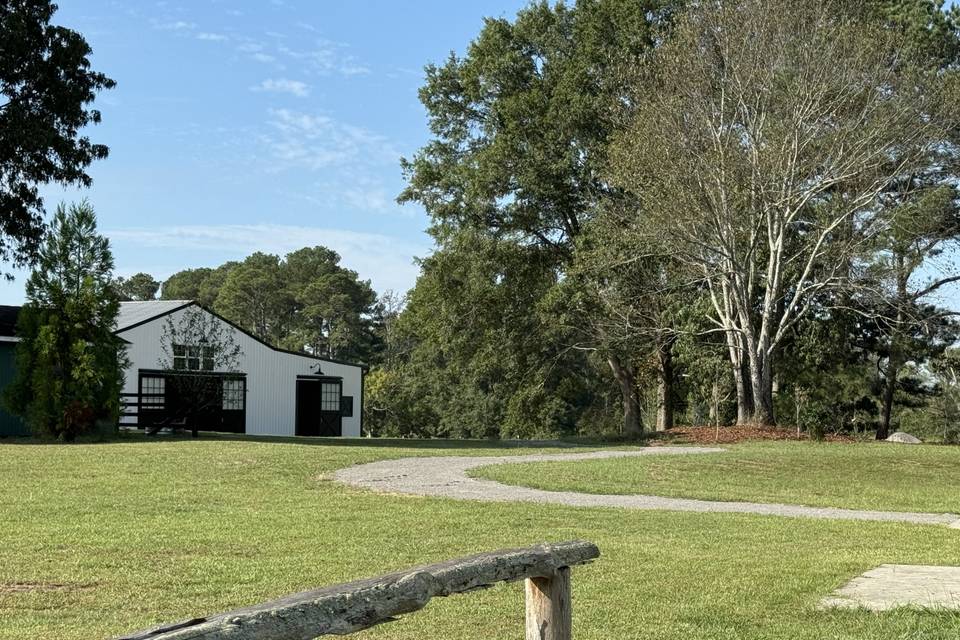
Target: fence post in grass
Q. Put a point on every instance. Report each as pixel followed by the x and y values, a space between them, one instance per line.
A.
pixel 548 606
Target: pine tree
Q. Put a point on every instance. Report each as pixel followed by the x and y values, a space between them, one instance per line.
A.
pixel 69 362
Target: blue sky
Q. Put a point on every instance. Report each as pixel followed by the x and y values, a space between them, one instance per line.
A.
pixel 266 126
pixel 273 125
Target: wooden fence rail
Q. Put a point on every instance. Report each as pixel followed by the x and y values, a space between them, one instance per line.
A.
pixel 345 608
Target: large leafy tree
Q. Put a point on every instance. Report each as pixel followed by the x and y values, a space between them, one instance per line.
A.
pixel 305 301
pixel 332 306
pixel 629 298
pixel 475 353
pixel 69 362
pixel 186 285
pixel 764 167
pixel 138 287
pixel 46 87
pixel 520 131
pixel 255 296
pixel 201 284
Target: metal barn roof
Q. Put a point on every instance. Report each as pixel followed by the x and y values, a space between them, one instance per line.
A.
pixel 132 313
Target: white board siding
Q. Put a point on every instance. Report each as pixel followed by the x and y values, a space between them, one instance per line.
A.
pixel 271 377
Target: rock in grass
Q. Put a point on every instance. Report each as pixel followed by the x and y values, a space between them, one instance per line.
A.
pixel 904 438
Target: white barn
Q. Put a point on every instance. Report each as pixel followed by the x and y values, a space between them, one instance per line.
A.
pixel 270 391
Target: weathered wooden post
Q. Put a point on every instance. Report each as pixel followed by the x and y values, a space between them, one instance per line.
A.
pixel 345 608
pixel 548 607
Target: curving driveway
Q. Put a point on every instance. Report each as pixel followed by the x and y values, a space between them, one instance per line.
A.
pixel 446 477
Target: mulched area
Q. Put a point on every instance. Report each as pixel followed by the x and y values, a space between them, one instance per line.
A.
pixel 733 434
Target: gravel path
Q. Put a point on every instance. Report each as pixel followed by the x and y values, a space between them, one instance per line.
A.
pixel 447 477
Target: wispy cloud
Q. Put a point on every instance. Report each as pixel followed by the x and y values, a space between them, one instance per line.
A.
pixel 368 198
pixel 325 57
pixel 318 141
pixel 175 25
pixel 184 28
pixel 282 85
pixel 387 261
pixel 212 37
pixel 365 192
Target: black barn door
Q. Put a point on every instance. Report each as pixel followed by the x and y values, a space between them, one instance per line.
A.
pixel 318 407
pixel 209 402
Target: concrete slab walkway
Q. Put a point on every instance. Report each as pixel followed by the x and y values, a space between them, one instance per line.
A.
pixel 900 585
pixel 446 477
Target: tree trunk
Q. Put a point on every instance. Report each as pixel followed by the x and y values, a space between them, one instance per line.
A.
pixel 764 408
pixel 665 385
pixel 763 414
pixel 894 360
pixel 714 415
pixel 744 394
pixel 889 389
pixel 738 365
pixel 632 426
pixel 761 384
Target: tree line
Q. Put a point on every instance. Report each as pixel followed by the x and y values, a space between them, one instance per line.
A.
pixel 304 301
pixel 643 211
pixel 738 211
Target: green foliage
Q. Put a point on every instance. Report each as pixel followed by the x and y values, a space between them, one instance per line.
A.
pixel 69 362
pixel 515 168
pixel 304 301
pixel 942 421
pixel 46 86
pixel 392 409
pixel 522 121
pixel 140 286
pixel 332 306
pixel 472 355
pixel 931 32
pixel 201 285
pixel 830 384
pixel 705 386
pixel 737 262
pixel 254 296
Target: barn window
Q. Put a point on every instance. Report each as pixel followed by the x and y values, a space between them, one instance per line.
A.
pixel 346 406
pixel 207 358
pixel 232 395
pixel 192 357
pixel 179 356
pixel 152 391
pixel 330 397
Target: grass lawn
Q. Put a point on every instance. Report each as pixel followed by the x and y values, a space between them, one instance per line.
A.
pixel 854 476
pixel 136 532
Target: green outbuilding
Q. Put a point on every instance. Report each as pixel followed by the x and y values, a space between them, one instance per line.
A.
pixel 10 425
